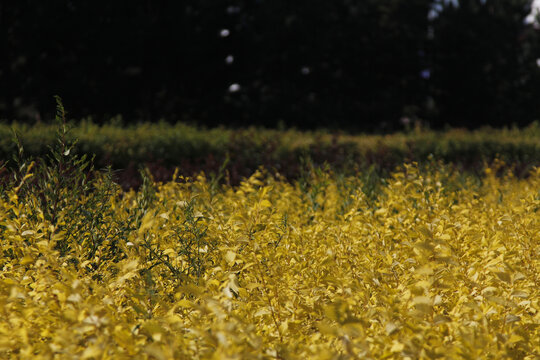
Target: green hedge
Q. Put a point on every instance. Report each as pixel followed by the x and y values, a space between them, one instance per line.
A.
pixel 163 147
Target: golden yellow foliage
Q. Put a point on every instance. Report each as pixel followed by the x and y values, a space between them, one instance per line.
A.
pixel 438 266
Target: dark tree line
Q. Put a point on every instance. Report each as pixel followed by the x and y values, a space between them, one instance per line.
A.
pixel 360 65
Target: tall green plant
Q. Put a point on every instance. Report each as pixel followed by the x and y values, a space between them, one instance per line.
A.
pixel 71 196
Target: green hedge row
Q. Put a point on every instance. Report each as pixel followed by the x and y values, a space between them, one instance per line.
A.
pixel 162 147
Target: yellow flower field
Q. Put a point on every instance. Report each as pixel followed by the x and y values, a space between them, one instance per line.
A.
pixel 435 265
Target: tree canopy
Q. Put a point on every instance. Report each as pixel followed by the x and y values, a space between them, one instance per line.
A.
pixel 360 65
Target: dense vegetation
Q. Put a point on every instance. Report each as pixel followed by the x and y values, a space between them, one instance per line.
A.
pixel 341 63
pixel 432 264
pixel 235 154
pixel 424 264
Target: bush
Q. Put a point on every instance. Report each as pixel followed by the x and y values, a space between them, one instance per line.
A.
pixel 425 263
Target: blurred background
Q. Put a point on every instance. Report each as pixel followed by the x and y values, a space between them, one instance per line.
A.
pixel 369 65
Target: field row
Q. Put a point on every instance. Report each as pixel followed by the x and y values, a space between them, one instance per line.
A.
pixel 238 153
pixel 435 265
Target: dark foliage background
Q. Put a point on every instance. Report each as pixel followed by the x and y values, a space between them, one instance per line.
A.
pixel 357 65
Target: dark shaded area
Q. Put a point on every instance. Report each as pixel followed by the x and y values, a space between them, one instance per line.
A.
pixel 357 65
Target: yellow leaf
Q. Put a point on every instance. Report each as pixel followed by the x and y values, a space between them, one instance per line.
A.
pixel 185 303
pixel 441 319
pixel 425 231
pixel 503 276
pixel 514 339
pixel 422 300
pixel 155 351
pixel 327 328
pixel 252 286
pixel 169 252
pixel 147 222
pixel 391 328
pixel 520 294
pixel 489 290
pixel 92 351
pixel 129 265
pixel 9 282
pixel 266 204
pixel 26 260
pixel 230 256
pixel 511 318
pixel 424 270
pixel 261 312
pixel 74 298
pixel 284 326
pixel 397 346
pixel 212 282
pixel 445 237
pixel 233 284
